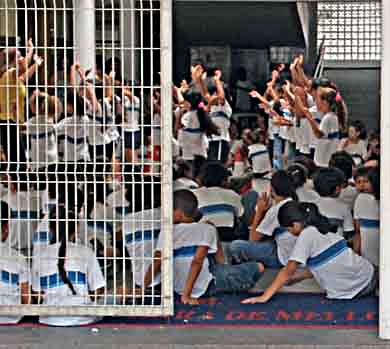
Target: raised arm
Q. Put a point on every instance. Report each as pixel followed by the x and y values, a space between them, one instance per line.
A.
pixel 262 206
pixel 154 269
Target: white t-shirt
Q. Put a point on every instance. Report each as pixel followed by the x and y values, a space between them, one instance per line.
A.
pixel 220 115
pixel 219 206
pixel 360 148
pixel 367 213
pixel 43 143
pixel 83 271
pixel 337 269
pixel 317 117
pixel 270 226
pixel 25 216
pixel 328 144
pixel 348 196
pixel 307 195
pixel 140 233
pixel 73 133
pixel 192 140
pixel 132 110
pixel 186 239
pixel 14 271
pixel 42 235
pixel 337 212
pixel 259 155
pixel 305 137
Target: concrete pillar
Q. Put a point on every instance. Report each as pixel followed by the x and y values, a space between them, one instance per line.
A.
pixel 8 26
pixel 84 32
pixel 384 300
pixel 129 40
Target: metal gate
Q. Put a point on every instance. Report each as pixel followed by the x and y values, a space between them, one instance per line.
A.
pixel 85 157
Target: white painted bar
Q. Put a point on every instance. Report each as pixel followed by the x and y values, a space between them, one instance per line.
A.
pixel 384 300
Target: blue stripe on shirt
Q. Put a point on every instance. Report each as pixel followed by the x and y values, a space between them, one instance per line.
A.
pixel 76 140
pixel 42 236
pixel 122 210
pixel 188 251
pixel 219 114
pixel 24 214
pixel 327 255
pixel 100 225
pixel 9 278
pixel 145 235
pixel 217 208
pixel 369 223
pixel 279 231
pixel 41 135
pixel 333 135
pixel 192 130
pixel 54 280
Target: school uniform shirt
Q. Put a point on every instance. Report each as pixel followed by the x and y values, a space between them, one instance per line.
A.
pixel 14 272
pixel 156 129
pixel 348 196
pixel 337 269
pixel 132 110
pixel 219 205
pixel 220 115
pixel 337 212
pixel 42 236
pixel 73 133
pixel 24 216
pixel 186 239
pixel 317 117
pixel 328 144
pixel 118 204
pixel 259 155
pixel 360 148
pixel 307 195
pixel 83 271
pixel 42 142
pixel 110 126
pixel 305 136
pixel 184 183
pixel 140 234
pixel 367 213
pixel 100 124
pixel 191 139
pixel 270 226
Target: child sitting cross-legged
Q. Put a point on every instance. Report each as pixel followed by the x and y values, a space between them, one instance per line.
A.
pixel 198 267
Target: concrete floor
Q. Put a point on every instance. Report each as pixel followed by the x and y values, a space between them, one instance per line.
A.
pixel 161 338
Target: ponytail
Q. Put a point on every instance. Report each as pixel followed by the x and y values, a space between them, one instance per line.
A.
pixel 336 104
pixel 283 186
pixel 59 227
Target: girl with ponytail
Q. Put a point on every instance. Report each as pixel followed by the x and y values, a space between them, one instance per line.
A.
pixel 337 268
pixel 333 123
pixel 66 272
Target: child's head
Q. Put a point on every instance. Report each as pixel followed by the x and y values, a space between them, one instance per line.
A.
pixel 182 169
pixel 361 179
pixel 374 182
pixel 308 163
pixel 4 221
pixel 329 100
pixel 74 104
pixel 50 106
pixel 197 164
pixel 298 174
pixel 282 187
pixel 258 136
pixel 246 136
pixel 374 144
pixel 328 182
pixel 143 192
pixel 344 162
pixel 185 207
pixel 296 216
pixel 357 131
pixel 214 174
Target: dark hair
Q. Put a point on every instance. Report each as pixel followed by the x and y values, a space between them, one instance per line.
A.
pixel 182 167
pixel 241 74
pixel 283 186
pixel 213 174
pixel 306 213
pixel 336 106
pixel 344 162
pixel 77 103
pixel 144 191
pixel 361 172
pixel 359 127
pixel 374 179
pixel 258 136
pixel 205 123
pixel 326 181
pixel 4 214
pixel 186 201
pixel 322 82
pixel 298 174
pixel 308 163
pixel 197 164
pixel 62 226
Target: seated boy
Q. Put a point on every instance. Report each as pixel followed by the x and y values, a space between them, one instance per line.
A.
pixel 328 183
pixel 198 267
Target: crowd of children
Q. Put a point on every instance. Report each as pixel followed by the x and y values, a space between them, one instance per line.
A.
pixel 79 190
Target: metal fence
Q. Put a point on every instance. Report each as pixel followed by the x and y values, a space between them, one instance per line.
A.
pixel 85 179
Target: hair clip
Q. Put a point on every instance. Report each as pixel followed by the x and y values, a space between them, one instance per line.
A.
pixel 338 97
pixel 201 105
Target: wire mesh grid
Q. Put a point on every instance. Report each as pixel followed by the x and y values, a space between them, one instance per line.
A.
pixel 85 184
pixel 351 30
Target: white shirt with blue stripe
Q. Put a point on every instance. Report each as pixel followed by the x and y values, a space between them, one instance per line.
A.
pixel 219 206
pixel 83 271
pixel 42 235
pixel 328 144
pixel 220 115
pixel 259 156
pixel 132 109
pixel 13 272
pixel 24 216
pixel 367 213
pixel 140 233
pixel 337 212
pixel 317 117
pixel 337 269
pixel 42 142
pixel 270 226
pixel 307 195
pixel 186 239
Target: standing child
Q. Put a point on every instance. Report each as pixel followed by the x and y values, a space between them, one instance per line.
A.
pixel 355 143
pixel 198 266
pixel 366 215
pixel 338 270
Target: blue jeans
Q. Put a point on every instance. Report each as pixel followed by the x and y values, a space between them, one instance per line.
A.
pixel 233 278
pixel 258 251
